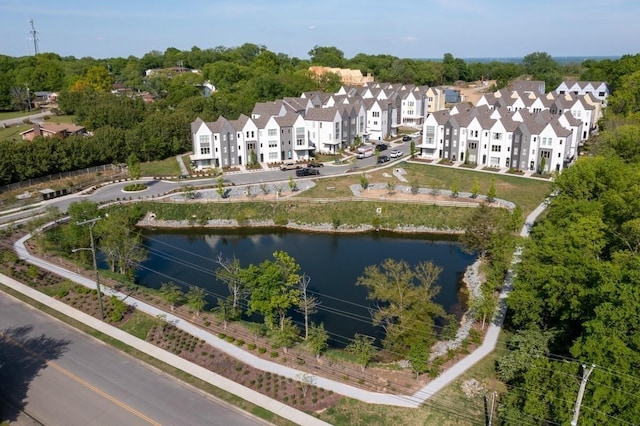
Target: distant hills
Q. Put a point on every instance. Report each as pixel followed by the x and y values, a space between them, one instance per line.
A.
pixel 516 60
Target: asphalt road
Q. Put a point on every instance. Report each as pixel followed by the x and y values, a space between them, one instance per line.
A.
pixel 59 376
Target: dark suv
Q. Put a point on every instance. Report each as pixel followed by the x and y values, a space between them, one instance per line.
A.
pixel 381 147
pixel 406 138
pixel 383 159
pixel 307 172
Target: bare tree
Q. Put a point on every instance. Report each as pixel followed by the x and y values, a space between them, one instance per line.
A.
pixel 230 273
pixel 308 303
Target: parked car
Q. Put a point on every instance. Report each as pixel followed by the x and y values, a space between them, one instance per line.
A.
pixel 396 153
pixel 307 172
pixel 381 147
pixel 289 165
pixel 314 164
pixel 406 138
pixel 383 159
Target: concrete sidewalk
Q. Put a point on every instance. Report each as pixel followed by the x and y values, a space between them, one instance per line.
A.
pixel 411 401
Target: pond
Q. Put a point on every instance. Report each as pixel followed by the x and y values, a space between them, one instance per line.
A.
pixel 333 261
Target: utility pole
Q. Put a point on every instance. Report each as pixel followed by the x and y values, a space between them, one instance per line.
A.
pixel 91 223
pixel 493 400
pixel 28 97
pixel 585 377
pixel 34 37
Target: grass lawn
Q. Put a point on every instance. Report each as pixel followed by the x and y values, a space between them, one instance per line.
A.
pixel 16 114
pixel 61 119
pixel 525 192
pixel 167 167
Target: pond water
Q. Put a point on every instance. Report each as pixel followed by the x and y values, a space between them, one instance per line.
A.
pixel 333 261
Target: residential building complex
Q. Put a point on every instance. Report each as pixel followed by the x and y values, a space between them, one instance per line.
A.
pixel 293 129
pixel 523 130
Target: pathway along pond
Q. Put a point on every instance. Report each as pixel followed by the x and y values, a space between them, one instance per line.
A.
pixel 333 261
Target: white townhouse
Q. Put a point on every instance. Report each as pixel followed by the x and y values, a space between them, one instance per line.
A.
pixel 324 129
pixel 597 89
pixel 214 144
pixel 584 112
pixel 247 140
pixel 413 107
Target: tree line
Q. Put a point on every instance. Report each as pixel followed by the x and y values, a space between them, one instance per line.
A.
pixel 576 297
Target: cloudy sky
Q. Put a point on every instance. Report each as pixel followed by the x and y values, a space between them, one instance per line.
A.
pixel 402 28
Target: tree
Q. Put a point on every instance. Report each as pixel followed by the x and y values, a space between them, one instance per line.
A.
pixel 274 287
pixel 308 303
pixel 196 299
pixel 487 231
pixel 220 189
pixel 327 56
pixel 418 357
pixel 475 189
pixel 412 149
pixel 364 182
pixel 317 339
pixel 285 335
pixel 391 187
pixel 541 66
pixel 491 193
pixel 230 273
pixel 455 189
pixel 404 302
pixel 293 186
pixel 134 166
pixel 171 293
pixel 120 240
pixel 363 349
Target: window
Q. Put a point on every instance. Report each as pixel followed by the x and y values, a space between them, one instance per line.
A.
pixel 497 136
pixel 224 149
pixel 300 136
pixel 496 148
pixel 273 144
pixel 272 132
pixel 545 154
pixel 601 94
pixel 473 145
pixel 446 131
pixel 375 114
pixel 410 104
pixel 431 130
pixel 455 132
pixel 273 156
pixel 205 148
pixel 204 139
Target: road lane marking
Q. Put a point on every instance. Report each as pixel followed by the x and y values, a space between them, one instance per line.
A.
pixel 82 382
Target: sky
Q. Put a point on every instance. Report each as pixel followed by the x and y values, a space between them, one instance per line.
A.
pixel 401 28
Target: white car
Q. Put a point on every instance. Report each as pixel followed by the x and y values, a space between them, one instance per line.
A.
pixel 396 153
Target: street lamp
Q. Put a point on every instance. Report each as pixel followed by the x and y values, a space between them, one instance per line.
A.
pixel 92 249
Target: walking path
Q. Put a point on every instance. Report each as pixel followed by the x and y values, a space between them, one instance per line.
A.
pixel 413 400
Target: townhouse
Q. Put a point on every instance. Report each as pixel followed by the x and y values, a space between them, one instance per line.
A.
pixel 598 90
pixel 500 138
pixel 294 129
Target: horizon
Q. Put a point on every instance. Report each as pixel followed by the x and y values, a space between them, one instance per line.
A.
pixel 425 30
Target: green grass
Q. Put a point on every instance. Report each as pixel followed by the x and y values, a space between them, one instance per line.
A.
pixel 16 114
pixel 525 192
pixel 448 407
pixel 169 369
pixel 167 167
pixel 139 325
pixel 347 213
pixel 61 119
pixel 13 132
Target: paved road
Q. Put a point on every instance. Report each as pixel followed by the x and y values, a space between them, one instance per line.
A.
pixel 58 376
pixel 19 120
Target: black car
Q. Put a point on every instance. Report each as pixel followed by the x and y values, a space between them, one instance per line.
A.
pixel 406 138
pixel 313 164
pixel 381 147
pixel 307 172
pixel 383 159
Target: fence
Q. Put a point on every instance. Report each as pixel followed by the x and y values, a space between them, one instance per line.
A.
pixel 57 176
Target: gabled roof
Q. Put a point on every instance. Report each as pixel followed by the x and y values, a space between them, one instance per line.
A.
pixel 322 114
pixel 287 120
